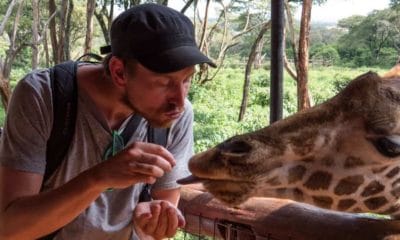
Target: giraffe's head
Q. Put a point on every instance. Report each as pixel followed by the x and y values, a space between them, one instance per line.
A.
pixel 343 154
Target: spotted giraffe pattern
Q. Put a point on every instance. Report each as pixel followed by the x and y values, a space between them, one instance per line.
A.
pixel 342 155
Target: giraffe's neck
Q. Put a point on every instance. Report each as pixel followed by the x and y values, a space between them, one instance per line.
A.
pixel 355 190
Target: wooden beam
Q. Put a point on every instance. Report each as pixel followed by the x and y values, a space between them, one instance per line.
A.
pixel 277 219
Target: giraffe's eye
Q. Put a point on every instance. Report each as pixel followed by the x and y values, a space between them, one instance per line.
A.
pixel 388 146
pixel 235 148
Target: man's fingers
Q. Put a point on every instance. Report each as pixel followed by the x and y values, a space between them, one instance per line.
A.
pixel 155 150
pixel 172 222
pixel 159 219
pixel 152 159
pixel 142 216
pixel 162 220
pixel 152 224
pixel 146 169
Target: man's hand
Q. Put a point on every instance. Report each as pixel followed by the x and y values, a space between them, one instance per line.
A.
pixel 139 162
pixel 157 220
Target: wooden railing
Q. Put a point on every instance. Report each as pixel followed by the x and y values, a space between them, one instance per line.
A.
pixel 274 219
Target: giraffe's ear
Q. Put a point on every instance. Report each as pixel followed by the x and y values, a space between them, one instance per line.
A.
pixel 393 72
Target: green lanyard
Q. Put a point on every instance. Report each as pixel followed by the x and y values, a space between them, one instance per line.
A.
pixel 116 145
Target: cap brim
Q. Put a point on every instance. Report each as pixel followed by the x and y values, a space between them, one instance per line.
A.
pixel 175 59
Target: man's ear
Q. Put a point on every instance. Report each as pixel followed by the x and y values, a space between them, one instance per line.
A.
pixel 116 67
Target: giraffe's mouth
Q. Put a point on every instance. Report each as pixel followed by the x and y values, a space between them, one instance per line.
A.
pixel 190 179
pixel 194 179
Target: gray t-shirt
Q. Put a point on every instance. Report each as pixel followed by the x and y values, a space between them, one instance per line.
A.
pixel 23 147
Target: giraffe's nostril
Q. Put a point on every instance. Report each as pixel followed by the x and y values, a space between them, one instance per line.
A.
pixel 235 147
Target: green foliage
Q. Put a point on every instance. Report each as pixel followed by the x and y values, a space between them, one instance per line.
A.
pixel 216 104
pixel 325 53
pixel 394 3
pixel 350 22
pixel 181 235
pixel 387 58
pixel 371 40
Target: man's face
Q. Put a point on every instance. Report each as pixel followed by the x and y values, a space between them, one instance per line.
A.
pixel 159 98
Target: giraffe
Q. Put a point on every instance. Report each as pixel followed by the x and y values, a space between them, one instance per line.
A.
pixel 343 154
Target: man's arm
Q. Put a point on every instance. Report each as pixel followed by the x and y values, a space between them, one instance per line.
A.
pixel 27 214
pixel 171 195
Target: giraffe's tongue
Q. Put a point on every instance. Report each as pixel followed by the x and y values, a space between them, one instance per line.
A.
pixel 189 180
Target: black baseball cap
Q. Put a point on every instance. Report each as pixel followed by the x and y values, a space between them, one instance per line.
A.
pixel 160 38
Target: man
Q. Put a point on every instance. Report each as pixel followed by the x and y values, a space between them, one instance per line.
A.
pixel 148 72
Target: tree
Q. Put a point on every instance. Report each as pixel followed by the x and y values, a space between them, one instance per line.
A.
pixel 368 37
pixel 301 54
pixel 35 34
pixel 303 98
pixel 105 10
pixel 14 48
pixel 59 34
pixel 250 61
pixel 225 33
pixel 90 9
pixel 327 54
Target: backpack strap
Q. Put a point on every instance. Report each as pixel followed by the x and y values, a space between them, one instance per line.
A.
pixel 131 127
pixel 96 57
pixel 158 136
pixel 65 104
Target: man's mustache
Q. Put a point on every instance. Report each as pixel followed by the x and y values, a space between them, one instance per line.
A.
pixel 173 108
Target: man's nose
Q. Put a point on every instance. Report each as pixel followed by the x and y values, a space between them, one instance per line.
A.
pixel 179 94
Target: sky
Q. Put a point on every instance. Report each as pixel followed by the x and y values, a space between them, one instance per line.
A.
pixel 334 10
pixel 331 11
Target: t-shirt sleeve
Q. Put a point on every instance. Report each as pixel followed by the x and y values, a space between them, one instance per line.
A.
pixel 28 124
pixel 180 144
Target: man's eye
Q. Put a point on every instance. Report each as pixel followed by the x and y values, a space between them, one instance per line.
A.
pixel 388 146
pixel 163 82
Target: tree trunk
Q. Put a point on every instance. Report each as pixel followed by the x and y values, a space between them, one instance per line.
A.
pixel 7 15
pixel 302 71
pixel 44 38
pixel 35 34
pixel 288 68
pixel 163 2
pixel 292 38
pixel 204 27
pixel 61 31
pixel 5 90
pixel 104 18
pixel 286 63
pixel 67 34
pixel 187 5
pixel 259 58
pixel 46 49
pixel 90 8
pixel 249 64
pixel 53 32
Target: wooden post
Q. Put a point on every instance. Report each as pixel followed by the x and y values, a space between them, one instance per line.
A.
pixel 277 33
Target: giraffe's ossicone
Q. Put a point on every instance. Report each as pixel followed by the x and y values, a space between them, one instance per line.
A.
pixel 342 155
